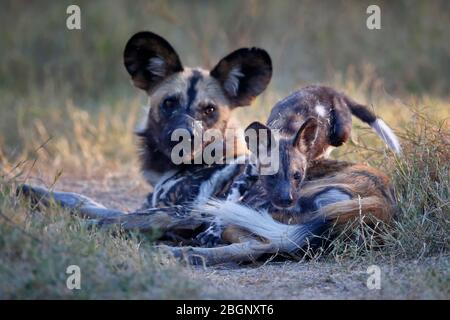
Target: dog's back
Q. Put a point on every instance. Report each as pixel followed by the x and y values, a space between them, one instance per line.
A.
pixel 333 110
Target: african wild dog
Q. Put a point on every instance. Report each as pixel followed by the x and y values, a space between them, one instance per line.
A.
pixel 180 97
pixel 189 99
pixel 331 194
pixel 325 194
pixel 194 100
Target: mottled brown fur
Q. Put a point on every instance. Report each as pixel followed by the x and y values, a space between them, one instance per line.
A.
pixel 370 190
pixel 332 109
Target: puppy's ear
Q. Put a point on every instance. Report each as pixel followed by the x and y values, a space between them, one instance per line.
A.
pixel 243 74
pixel 258 137
pixel 149 59
pixel 306 135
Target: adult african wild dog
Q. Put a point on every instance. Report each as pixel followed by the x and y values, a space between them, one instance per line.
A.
pixel 190 99
pixel 194 100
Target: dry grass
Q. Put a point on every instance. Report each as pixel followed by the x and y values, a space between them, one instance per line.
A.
pixel 36 248
pixel 421 179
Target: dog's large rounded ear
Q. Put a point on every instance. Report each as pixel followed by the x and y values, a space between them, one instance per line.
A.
pixel 243 74
pixel 149 59
pixel 259 138
pixel 306 135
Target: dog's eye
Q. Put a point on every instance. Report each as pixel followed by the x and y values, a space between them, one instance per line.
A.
pixel 209 109
pixel 297 175
pixel 169 102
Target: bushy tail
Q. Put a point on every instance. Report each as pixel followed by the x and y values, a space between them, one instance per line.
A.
pixel 378 125
pixel 289 238
pixel 284 237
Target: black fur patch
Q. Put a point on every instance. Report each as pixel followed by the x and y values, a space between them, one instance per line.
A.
pixel 341 123
pixel 255 65
pixel 363 113
pixel 142 47
pixel 191 91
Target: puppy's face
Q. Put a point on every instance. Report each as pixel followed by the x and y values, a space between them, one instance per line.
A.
pixel 192 99
pixel 284 186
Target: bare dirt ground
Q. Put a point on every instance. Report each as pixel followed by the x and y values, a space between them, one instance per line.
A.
pixel 427 278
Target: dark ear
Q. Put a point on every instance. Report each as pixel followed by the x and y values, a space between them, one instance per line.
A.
pixel 243 74
pixel 306 135
pixel 258 135
pixel 149 59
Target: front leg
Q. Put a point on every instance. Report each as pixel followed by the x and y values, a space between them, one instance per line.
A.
pixel 156 219
pixel 74 202
pixel 212 236
pixel 243 183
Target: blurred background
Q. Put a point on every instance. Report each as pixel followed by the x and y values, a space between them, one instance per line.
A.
pixel 67 91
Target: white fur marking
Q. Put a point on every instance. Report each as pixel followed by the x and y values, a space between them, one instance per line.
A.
pixel 235 195
pixel 285 237
pixel 166 178
pixel 231 84
pixel 168 185
pixel 327 152
pixel 387 135
pixel 321 110
pixel 157 66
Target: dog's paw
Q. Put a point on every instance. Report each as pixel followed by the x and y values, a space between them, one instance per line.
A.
pixel 187 254
pixel 211 237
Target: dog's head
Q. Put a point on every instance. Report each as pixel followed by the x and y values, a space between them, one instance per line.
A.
pixel 283 186
pixel 192 99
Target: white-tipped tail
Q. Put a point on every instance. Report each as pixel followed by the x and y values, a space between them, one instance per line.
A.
pixel 286 238
pixel 387 135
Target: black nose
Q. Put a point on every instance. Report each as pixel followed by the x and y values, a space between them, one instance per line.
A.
pixel 284 202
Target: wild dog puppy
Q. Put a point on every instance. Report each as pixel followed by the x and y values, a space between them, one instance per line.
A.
pixel 303 184
pixel 294 207
pixel 332 110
